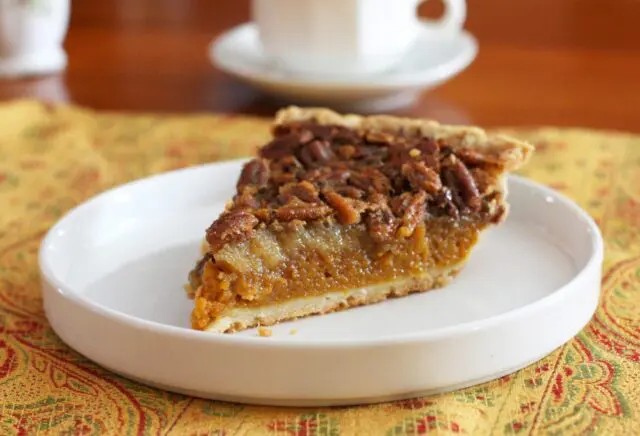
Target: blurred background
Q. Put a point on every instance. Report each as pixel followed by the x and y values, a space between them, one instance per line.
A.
pixel 540 62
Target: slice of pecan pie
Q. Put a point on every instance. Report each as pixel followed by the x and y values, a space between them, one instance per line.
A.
pixel 340 211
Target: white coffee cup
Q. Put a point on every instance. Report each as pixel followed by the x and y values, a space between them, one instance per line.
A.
pixel 346 37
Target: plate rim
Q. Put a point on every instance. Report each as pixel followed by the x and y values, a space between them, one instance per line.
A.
pixel 57 285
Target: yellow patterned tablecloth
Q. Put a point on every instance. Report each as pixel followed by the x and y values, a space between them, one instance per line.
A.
pixel 52 158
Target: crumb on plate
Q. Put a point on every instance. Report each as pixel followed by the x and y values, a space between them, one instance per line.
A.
pixel 264 332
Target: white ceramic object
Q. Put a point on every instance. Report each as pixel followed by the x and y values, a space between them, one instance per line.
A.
pixel 430 63
pixel 114 267
pixel 347 37
pixel 31 36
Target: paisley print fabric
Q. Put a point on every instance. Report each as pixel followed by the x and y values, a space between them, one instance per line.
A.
pixel 52 158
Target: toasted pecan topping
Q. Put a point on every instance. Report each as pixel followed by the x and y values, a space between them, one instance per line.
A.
pixel 347 212
pixel 381 138
pixel 281 147
pixel 371 179
pixel 422 177
pixel 264 215
pixel 483 180
pixel 414 213
pixel 247 199
pixel 303 190
pixel 445 199
pixel 390 182
pixel 347 151
pixel 381 224
pixel 350 191
pixel 316 152
pixel 469 190
pixel 303 212
pixel 474 157
pixel 255 173
pixel 231 226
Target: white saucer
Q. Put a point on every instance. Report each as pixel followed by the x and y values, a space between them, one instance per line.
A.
pixel 114 267
pixel 430 63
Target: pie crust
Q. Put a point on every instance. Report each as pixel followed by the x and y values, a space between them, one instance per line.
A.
pixel 345 210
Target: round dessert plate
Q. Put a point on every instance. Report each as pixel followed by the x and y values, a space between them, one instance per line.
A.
pixel 431 62
pixel 114 267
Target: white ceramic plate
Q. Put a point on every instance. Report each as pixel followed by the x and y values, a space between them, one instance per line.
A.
pixel 114 267
pixel 432 62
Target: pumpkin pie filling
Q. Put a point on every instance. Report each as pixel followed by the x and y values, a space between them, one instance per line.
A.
pixel 339 211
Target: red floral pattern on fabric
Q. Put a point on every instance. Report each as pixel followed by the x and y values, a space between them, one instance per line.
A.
pixel 52 158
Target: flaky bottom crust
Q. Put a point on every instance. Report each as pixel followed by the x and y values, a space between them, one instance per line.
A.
pixel 241 318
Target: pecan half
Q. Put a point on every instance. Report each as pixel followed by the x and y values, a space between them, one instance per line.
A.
pixel 483 179
pixel 378 201
pixel 414 213
pixel 303 212
pixel 376 137
pixel 450 181
pixel 400 203
pixel 280 146
pixel 468 186
pixel 285 170
pixel 321 151
pixel 346 151
pixel 338 176
pixel 422 177
pixel 229 227
pixel 255 172
pixel 304 191
pixel 316 152
pixel 282 178
pixel 371 179
pixel 303 133
pixel 363 152
pixel 264 215
pixel 445 200
pixel 343 135
pixel 320 131
pixel 316 175
pixel 347 213
pixel 247 199
pixel 350 191
pixel 289 164
pixel 473 157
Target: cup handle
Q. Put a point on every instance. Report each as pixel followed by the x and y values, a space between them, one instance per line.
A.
pixel 452 21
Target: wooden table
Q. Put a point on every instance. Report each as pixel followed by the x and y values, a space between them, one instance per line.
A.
pixel 558 62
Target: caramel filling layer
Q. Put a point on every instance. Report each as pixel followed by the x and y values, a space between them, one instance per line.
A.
pixel 317 258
